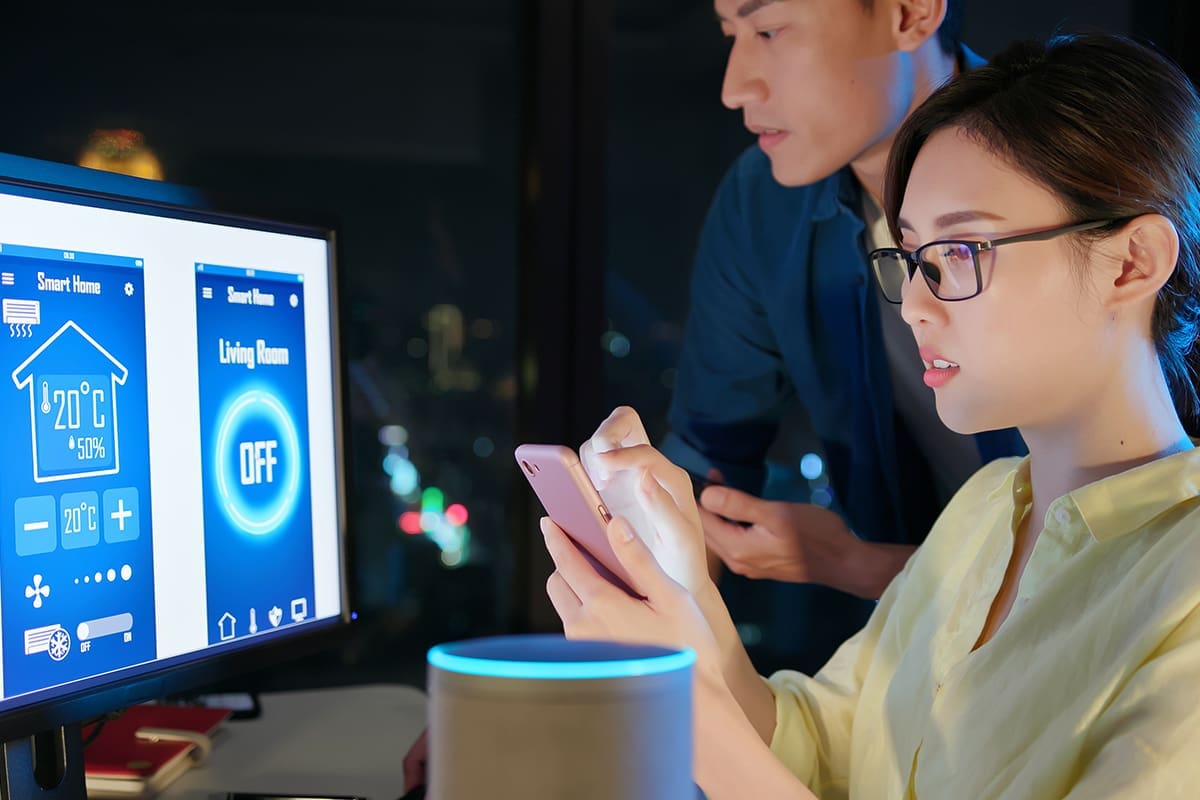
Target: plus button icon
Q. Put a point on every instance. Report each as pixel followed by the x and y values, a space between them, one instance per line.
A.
pixel 121 514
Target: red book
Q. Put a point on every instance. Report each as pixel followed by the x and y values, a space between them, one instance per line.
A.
pixel 146 748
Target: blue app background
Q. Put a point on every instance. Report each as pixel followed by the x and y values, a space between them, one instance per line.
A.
pixel 65 449
pixel 254 437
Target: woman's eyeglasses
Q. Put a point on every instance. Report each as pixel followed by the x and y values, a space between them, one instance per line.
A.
pixel 952 267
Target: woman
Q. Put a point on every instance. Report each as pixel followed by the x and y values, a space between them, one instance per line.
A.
pixel 1045 641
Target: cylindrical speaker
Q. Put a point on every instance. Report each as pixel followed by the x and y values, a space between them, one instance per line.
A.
pixel 541 716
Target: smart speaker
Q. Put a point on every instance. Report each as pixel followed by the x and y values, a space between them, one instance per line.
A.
pixel 541 716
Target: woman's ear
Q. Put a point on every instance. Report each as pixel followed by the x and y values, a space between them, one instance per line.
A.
pixel 916 21
pixel 1145 252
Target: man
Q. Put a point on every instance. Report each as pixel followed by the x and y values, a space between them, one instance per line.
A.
pixel 785 314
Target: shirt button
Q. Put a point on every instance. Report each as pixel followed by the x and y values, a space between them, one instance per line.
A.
pixel 859 280
pixel 1063 516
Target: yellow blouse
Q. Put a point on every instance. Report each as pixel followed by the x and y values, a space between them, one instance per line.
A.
pixel 1090 688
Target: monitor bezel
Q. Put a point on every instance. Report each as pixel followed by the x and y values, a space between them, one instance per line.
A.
pixel 98 695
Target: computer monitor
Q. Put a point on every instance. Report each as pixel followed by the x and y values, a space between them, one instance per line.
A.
pixel 171 487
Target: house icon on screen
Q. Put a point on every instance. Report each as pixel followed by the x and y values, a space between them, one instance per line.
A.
pixel 72 383
pixel 228 625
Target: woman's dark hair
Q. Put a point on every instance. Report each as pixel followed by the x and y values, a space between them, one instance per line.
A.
pixel 1112 129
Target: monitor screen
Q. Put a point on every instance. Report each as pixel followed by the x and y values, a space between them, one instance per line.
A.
pixel 170 480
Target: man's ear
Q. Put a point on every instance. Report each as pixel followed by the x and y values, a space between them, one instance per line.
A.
pixel 1145 253
pixel 916 21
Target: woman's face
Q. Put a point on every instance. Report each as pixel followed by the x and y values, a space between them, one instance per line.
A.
pixel 1028 350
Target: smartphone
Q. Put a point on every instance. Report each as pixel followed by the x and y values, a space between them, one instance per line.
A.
pixel 559 481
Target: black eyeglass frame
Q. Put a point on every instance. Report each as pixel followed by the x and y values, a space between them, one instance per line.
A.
pixel 914 262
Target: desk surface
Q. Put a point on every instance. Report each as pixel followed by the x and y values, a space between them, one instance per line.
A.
pixel 346 740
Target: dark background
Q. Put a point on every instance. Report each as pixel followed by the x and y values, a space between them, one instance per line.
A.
pixel 517 187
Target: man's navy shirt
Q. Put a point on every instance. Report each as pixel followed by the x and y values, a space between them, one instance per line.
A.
pixel 784 309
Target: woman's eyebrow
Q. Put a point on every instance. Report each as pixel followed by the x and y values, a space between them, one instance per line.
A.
pixel 953 218
pixel 958 217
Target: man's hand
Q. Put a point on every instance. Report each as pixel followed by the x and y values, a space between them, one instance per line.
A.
pixel 795 543
pixel 415 762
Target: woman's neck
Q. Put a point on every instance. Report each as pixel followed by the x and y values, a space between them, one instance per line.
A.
pixel 1131 423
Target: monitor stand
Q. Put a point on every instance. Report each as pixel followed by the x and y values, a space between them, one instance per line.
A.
pixel 47 766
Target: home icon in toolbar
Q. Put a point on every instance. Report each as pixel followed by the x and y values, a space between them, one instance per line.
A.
pixel 228 625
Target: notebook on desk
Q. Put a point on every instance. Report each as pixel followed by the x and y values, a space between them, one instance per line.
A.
pixel 147 747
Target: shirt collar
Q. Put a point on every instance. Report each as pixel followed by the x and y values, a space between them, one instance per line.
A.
pixel 1125 502
pixel 837 194
pixel 1014 485
pixel 1121 503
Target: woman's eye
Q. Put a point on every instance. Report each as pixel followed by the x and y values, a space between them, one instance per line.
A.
pixel 768 35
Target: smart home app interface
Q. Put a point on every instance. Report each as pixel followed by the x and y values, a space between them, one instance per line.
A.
pixel 168 472
pixel 254 435
pixel 77 565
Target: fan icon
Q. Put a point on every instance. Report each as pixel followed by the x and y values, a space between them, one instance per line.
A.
pixel 59 645
pixel 38 591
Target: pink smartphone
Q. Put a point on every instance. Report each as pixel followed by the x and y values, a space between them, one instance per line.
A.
pixel 566 492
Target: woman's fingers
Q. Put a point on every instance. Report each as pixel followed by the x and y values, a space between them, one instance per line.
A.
pixel 634 456
pixel 662 505
pixel 569 562
pixel 596 472
pixel 623 428
pixel 678 534
pixel 566 603
pixel 648 577
pixel 644 457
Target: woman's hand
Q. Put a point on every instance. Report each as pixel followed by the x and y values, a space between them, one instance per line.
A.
pixel 592 608
pixel 654 494
pixel 622 428
pixel 731 759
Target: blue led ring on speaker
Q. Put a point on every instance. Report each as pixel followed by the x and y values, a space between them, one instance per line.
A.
pixel 239 510
pixel 552 657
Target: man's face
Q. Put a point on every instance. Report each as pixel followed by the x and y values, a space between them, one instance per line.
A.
pixel 820 82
